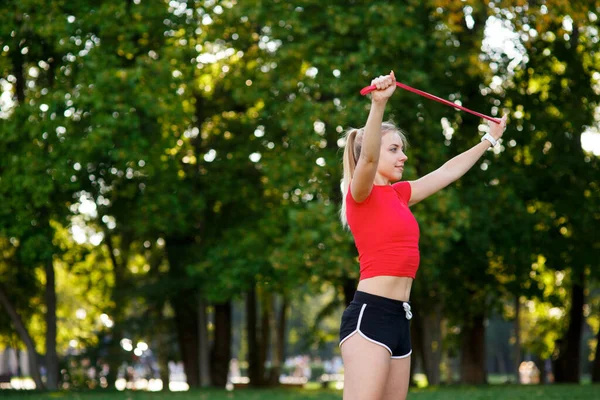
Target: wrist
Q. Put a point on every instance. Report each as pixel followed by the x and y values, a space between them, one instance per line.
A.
pixel 379 102
pixel 490 139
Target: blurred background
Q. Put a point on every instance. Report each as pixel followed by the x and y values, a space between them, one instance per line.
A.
pixel 170 186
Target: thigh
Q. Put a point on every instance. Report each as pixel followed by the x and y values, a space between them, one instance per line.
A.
pixel 366 368
pixel 396 386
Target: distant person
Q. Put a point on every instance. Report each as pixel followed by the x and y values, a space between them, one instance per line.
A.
pixel 234 369
pixel 375 331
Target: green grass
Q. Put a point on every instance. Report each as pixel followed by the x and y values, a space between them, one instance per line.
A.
pixel 496 392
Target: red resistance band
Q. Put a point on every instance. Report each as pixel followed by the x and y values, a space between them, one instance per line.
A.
pixel 371 88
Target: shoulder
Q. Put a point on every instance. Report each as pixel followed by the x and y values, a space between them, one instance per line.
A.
pixel 404 190
pixel 350 199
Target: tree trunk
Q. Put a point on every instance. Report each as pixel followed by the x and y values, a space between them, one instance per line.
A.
pixel 203 345
pixel 51 356
pixel 446 364
pixel 265 333
pixel 282 328
pixel 432 344
pixel 567 364
pixel 180 252
pixel 416 338
pixel 541 364
pixel 25 337
pixel 162 342
pixel 221 350
pixel 163 364
pixel 255 369
pixel 472 363
pixel 186 323
pixel 518 355
pixel 115 355
pixel 278 348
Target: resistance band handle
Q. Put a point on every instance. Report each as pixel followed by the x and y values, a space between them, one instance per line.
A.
pixel 369 89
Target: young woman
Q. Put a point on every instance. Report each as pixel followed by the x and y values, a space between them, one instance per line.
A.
pixel 374 333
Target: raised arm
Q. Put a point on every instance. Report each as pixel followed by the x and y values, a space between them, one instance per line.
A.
pixel 454 168
pixel 366 167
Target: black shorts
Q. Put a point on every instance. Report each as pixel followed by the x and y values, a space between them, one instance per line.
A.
pixel 380 320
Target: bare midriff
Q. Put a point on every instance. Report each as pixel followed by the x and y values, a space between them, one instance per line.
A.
pixel 392 287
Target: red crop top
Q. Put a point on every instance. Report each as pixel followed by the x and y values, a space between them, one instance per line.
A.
pixel 385 231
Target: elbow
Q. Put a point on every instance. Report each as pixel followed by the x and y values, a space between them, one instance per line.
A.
pixel 450 175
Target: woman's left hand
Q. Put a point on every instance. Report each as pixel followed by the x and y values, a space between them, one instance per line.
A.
pixel 496 130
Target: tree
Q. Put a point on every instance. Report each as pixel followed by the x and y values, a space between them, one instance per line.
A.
pixel 555 101
pixel 35 175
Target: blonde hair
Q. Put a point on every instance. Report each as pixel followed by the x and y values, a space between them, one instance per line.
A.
pixel 353 145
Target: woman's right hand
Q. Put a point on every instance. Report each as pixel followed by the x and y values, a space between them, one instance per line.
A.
pixel 386 85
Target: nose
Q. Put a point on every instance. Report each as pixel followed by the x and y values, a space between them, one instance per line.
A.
pixel 403 156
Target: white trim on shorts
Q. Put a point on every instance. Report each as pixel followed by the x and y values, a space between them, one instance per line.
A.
pixel 404 356
pixel 362 310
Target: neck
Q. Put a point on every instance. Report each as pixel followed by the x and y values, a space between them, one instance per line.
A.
pixel 380 180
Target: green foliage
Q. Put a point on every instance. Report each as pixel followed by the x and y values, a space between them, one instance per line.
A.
pixel 214 127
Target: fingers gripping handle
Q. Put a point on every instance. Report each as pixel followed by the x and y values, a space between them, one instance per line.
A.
pixel 369 89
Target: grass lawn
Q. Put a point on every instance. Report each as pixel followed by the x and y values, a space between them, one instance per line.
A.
pixel 496 392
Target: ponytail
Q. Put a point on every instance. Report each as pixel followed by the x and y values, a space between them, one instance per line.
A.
pixel 353 138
